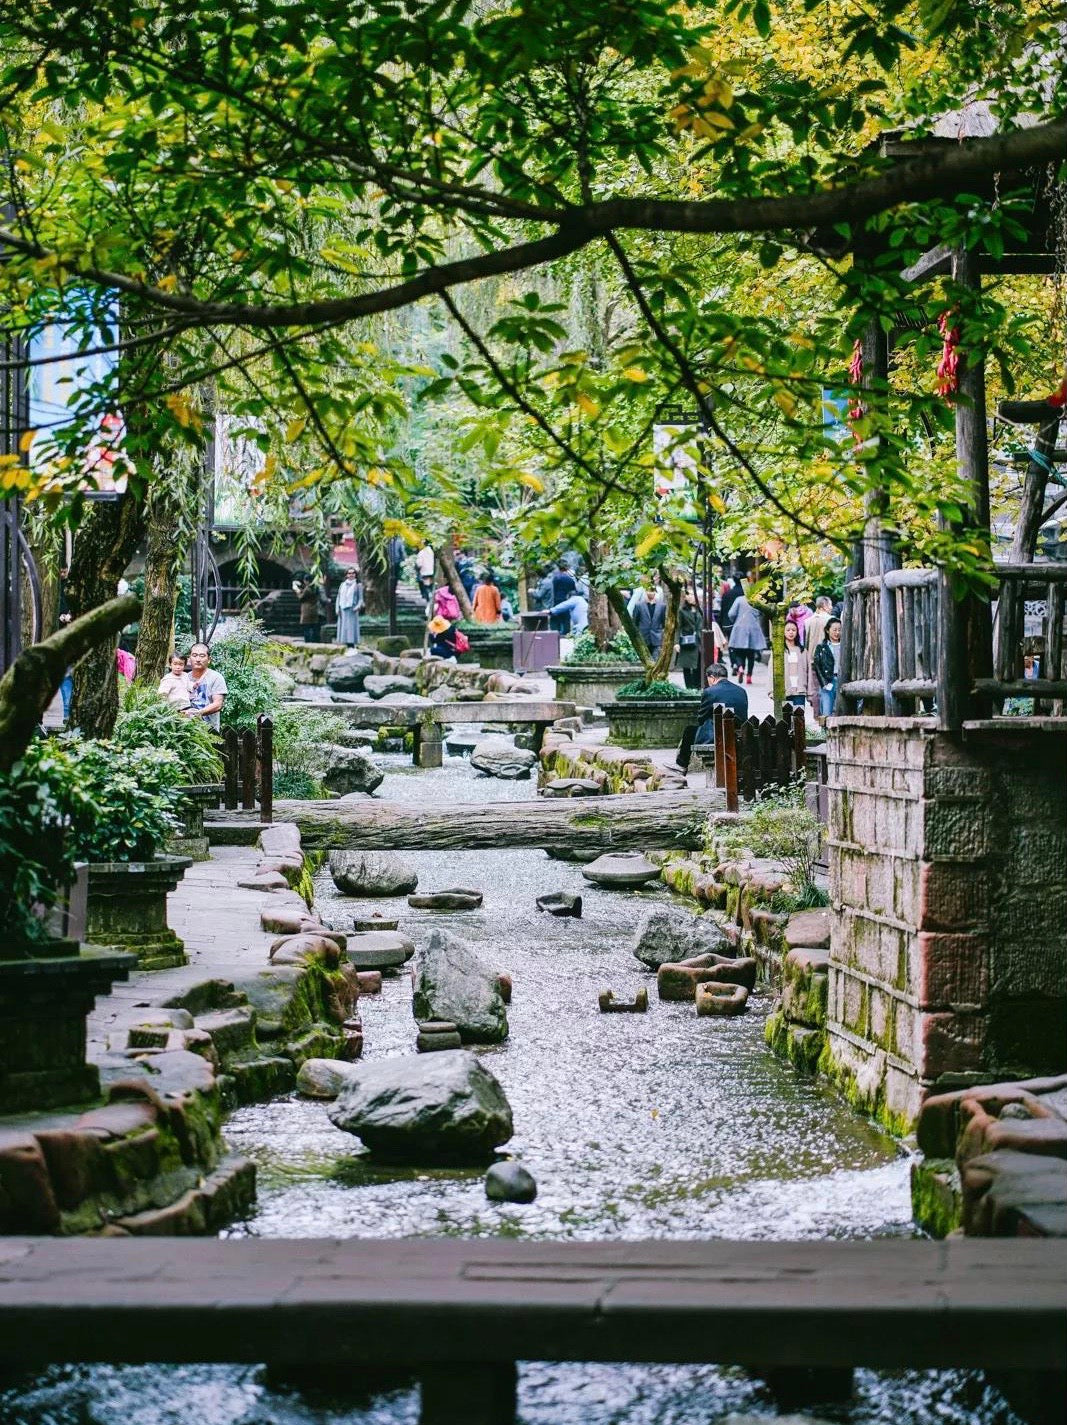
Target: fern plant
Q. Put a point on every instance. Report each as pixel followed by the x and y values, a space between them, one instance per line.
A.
pixel 148 721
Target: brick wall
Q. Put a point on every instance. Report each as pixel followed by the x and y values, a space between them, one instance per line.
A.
pixel 948 873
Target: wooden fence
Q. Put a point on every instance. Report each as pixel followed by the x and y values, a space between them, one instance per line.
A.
pixel 248 760
pixel 893 656
pixel 753 755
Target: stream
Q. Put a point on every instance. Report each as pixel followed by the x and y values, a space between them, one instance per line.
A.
pixel 655 1125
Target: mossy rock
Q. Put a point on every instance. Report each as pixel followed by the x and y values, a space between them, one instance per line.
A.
pixel 936 1198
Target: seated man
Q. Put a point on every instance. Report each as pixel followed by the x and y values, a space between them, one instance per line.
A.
pixel 719 690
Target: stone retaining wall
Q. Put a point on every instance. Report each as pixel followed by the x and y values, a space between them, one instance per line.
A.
pixel 613 769
pixel 948 872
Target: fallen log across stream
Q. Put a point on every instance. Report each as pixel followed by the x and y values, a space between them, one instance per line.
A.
pixel 627 821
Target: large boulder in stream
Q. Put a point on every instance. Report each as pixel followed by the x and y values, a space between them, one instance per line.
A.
pixel 427 1109
pixel 349 769
pixel 347 673
pixel 452 983
pixel 499 757
pixel 664 937
pixel 372 873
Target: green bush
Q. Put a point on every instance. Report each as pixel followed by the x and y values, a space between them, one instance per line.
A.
pixel 658 689
pixel 781 827
pixel 245 659
pixel 69 800
pixel 299 737
pixel 297 786
pixel 147 720
pixel 585 650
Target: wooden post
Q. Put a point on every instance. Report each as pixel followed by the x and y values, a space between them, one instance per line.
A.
pixel 800 742
pixel 729 759
pixel 428 749
pixel 765 761
pixel 965 624
pixel 749 738
pixel 248 770
pixel 230 759
pixel 783 752
pixel 720 746
pixel 266 768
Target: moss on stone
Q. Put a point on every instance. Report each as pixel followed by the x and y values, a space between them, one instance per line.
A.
pixel 936 1201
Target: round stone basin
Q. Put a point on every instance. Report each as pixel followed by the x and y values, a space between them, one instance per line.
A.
pixel 625 869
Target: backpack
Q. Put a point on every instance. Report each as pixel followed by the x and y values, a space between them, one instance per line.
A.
pixel 463 643
pixel 446 605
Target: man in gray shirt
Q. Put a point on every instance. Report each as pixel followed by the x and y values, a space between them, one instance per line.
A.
pixel 207 689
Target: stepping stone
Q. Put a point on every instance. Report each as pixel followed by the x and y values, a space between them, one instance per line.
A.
pixel 716 998
pixel 560 903
pixel 362 924
pixel 437 1034
pixel 379 950
pixel 610 1005
pixel 455 898
pixel 369 982
pixel 621 869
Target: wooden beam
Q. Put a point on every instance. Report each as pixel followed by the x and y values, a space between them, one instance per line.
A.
pixel 885 1304
pixel 625 821
pixel 935 263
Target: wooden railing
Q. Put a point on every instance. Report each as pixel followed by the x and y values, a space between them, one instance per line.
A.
pixel 753 755
pixel 891 656
pixel 248 760
pixel 1044 583
pixel 890 645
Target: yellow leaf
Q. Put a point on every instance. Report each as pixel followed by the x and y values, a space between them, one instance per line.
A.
pixel 786 402
pixel 717 503
pixel 295 428
pixel 588 405
pixel 531 481
pixel 648 543
pixel 28 437
pixel 634 373
pixel 717 120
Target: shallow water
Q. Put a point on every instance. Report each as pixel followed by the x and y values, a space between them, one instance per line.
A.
pixel 655 1125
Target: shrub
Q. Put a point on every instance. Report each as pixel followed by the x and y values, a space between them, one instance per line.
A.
pixel 147 720
pixel 69 800
pixel 300 734
pixel 297 786
pixel 780 826
pixel 245 659
pixel 585 650
pixel 659 688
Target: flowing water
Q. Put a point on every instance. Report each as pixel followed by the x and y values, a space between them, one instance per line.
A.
pixel 655 1125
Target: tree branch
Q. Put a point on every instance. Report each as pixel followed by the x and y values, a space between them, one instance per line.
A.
pixel 33 680
pixel 935 174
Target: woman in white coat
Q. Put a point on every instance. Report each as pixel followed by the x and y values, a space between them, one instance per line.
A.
pixel 349 605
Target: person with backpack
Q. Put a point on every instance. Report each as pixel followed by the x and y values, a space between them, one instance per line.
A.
pixel 446 605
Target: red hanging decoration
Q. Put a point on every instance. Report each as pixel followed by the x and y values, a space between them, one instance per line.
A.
pixel 1058 399
pixel 857 409
pixel 948 368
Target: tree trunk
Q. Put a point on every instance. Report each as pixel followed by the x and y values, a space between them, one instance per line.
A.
pixel 776 619
pixel 103 547
pixel 600 625
pixel 653 819
pixel 662 667
pixel 33 680
pixel 618 603
pixel 164 555
pixel 447 561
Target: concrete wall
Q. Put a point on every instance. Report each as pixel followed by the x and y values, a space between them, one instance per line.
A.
pixel 948 874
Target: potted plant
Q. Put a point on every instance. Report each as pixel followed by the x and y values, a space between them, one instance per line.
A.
pixel 650 714
pixel 148 721
pixel 48 981
pixel 118 809
pixel 591 676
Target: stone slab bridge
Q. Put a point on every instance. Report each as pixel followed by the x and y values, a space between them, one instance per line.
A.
pixel 460 1314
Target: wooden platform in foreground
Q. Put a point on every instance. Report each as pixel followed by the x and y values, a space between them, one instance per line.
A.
pixel 420 1303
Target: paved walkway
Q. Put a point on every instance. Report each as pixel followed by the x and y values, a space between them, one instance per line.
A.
pixel 219 923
